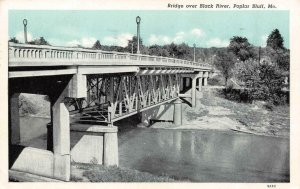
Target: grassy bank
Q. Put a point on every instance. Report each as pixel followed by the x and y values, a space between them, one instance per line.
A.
pixel 99 173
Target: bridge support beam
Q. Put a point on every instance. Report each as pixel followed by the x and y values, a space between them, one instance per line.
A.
pixel 178 112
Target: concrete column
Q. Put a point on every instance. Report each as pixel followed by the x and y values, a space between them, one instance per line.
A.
pixel 111 156
pixel 78 86
pixel 200 84
pixel 178 112
pixel 194 92
pixel 61 135
pixel 15 137
pixel 205 81
pixel 61 141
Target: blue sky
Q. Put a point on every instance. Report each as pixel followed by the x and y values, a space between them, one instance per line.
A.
pixel 204 28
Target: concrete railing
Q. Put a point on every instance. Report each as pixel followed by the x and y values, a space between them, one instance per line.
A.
pixel 45 52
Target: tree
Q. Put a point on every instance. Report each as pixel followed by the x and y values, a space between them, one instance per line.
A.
pixel 133 41
pixel 13 40
pixel 263 81
pixel 157 50
pixel 281 57
pixel 275 40
pixel 225 62
pixel 39 41
pixel 241 48
pixel 97 45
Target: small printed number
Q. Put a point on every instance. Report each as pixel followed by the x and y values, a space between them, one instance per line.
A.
pixel 271 186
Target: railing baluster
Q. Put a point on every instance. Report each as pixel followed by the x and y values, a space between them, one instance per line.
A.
pixel 38 52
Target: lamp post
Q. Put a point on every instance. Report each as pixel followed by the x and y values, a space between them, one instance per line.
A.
pixel 25 30
pixel 259 54
pixel 132 47
pixel 194 52
pixel 138 21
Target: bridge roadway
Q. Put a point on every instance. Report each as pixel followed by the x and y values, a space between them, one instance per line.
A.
pixel 101 87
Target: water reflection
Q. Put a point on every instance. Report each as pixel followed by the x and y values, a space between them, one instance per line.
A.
pixel 207 156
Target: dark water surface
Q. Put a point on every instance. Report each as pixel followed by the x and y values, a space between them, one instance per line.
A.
pixel 205 156
pixel 195 155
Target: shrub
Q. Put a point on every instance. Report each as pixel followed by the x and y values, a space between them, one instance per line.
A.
pixel 263 81
pixel 216 81
pixel 240 95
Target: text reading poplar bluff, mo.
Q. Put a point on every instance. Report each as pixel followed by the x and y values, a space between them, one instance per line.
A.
pixel 221 6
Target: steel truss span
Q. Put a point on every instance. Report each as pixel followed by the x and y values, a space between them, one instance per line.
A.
pixel 111 98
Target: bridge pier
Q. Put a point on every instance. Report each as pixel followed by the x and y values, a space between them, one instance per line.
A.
pixel 94 144
pixel 205 81
pixel 205 77
pixel 177 112
pixel 194 91
pixel 195 77
pixel 200 84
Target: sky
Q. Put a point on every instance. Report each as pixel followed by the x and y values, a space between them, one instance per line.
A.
pixel 116 27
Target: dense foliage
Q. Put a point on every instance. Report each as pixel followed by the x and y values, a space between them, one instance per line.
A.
pixel 263 81
pixel 97 45
pixel 261 71
pixel 14 40
pixel 275 40
pixel 225 62
pixel 240 46
pixel 39 41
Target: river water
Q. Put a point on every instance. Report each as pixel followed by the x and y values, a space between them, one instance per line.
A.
pixel 195 155
pixel 206 155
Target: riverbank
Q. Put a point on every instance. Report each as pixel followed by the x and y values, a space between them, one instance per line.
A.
pixel 214 112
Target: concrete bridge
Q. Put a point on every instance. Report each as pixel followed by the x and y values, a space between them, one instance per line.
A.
pixel 100 88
